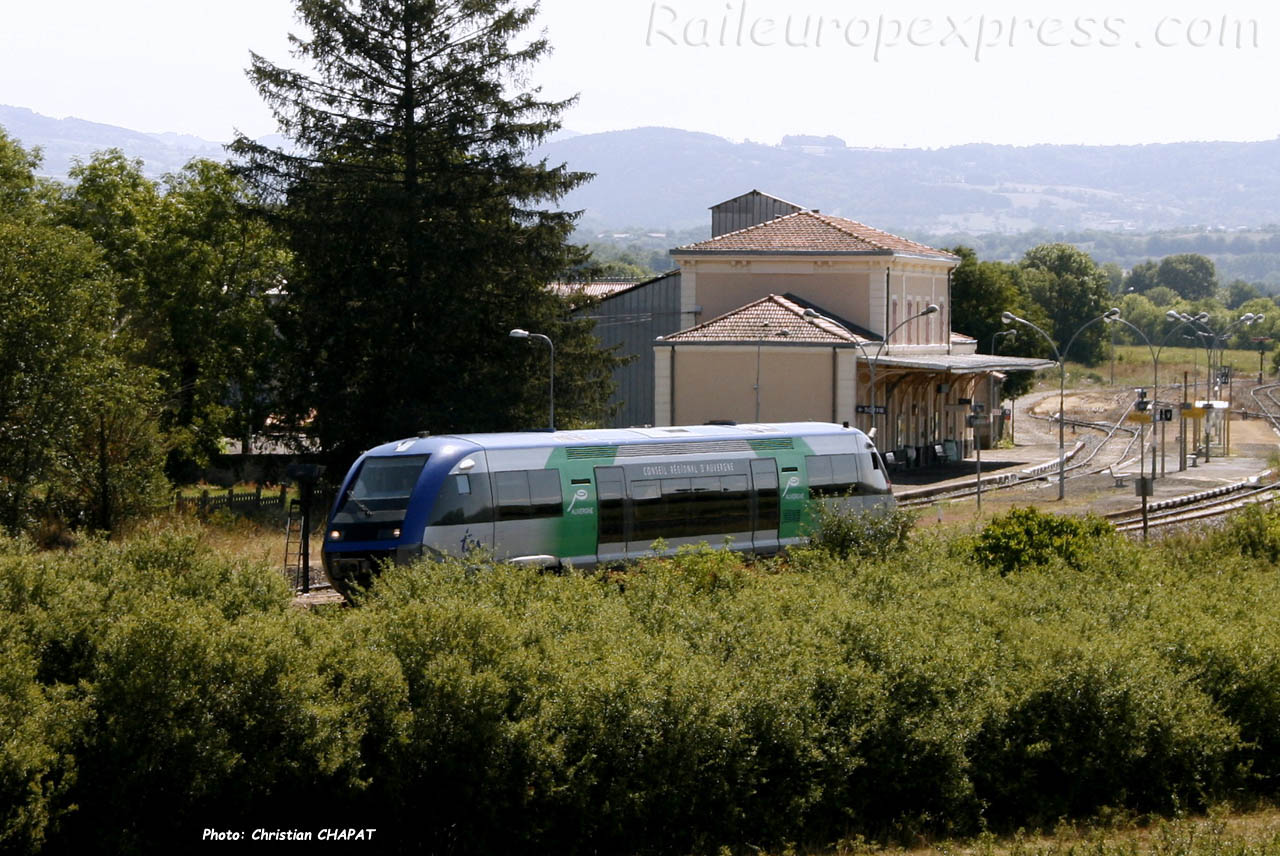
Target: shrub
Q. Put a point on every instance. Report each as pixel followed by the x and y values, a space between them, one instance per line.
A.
pixel 150 689
pixel 850 532
pixel 1252 531
pixel 1026 538
pixel 1094 724
pixel 37 769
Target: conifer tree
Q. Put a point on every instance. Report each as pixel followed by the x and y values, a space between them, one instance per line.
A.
pixel 421 232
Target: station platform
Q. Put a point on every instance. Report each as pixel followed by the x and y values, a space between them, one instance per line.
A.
pixel 1255 450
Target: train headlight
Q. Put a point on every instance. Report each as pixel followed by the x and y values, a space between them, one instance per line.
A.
pixel 335 535
pixel 395 533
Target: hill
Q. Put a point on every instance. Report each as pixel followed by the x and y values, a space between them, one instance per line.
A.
pixel 664 178
pixel 62 140
pixel 667 177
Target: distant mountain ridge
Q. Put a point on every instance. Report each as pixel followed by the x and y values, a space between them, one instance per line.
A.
pixel 668 178
pixel 63 140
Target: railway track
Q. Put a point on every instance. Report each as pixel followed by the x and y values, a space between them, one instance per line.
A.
pixel 1100 456
pixel 1220 501
pixel 1196 507
pixel 1076 466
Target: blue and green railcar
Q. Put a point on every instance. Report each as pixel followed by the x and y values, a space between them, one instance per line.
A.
pixel 585 498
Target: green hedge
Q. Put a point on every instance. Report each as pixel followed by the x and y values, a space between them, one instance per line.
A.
pixel 150 689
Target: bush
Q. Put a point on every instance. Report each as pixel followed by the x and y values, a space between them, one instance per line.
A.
pixel 150 689
pixel 1252 531
pixel 1026 538
pixel 856 533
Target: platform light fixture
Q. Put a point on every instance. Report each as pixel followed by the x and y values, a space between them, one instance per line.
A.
pixel 525 334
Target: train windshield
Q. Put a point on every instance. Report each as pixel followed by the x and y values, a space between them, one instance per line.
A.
pixel 383 484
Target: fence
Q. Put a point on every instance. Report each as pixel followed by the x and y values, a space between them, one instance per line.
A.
pixel 245 502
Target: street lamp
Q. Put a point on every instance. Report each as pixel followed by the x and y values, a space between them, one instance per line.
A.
pixel 1155 375
pixel 525 334
pixel 1012 334
pixel 814 315
pixel 1107 317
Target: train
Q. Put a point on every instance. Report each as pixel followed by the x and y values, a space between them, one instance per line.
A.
pixel 595 497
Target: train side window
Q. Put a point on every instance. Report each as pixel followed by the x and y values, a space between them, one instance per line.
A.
pixel 844 474
pixel 544 493
pixel 729 508
pixel 819 470
pixel 832 475
pixel 528 494
pixel 462 500
pixel 648 518
pixel 513 495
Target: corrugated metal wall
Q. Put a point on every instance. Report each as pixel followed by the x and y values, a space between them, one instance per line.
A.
pixel 633 319
pixel 748 210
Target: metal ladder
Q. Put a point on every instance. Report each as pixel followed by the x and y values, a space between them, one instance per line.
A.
pixel 293 536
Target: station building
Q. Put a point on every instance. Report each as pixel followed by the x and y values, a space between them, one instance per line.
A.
pixel 790 314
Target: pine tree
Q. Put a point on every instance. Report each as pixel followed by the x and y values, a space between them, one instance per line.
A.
pixel 417 224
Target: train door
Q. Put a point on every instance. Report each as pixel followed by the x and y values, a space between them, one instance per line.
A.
pixel 529 506
pixel 764 502
pixel 613 514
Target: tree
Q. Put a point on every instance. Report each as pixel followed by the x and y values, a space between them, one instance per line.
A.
pixel 980 293
pixel 17 176
pixel 61 377
pixel 1161 296
pixel 1115 277
pixel 1239 293
pixel 112 202
pixel 195 273
pixel 210 278
pixel 1072 290
pixel 109 455
pixel 415 221
pixel 1191 275
pixel 1143 277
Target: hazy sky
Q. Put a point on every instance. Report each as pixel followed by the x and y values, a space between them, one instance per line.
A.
pixel 874 73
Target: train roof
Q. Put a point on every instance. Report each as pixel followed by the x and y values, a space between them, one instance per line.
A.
pixel 615 436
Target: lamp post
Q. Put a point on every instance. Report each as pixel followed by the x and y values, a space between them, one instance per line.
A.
pixel 1108 316
pixel 814 315
pixel 1012 334
pixel 525 334
pixel 1155 375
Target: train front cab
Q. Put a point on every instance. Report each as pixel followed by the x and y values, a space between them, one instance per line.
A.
pixel 389 498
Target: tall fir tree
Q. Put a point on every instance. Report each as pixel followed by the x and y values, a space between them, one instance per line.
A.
pixel 419 227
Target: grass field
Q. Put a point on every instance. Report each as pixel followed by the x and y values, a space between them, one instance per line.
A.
pixel 1221 833
pixel 1133 368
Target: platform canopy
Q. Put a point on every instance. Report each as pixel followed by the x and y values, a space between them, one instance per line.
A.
pixel 959 364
